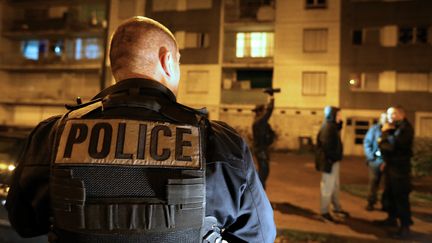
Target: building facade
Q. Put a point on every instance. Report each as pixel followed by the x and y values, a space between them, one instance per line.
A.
pixel 360 55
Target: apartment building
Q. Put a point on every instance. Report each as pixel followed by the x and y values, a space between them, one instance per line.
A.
pixel 361 55
pixel 386 50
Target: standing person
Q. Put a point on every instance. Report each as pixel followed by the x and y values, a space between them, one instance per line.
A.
pixel 374 159
pixel 396 147
pixel 329 153
pixel 133 165
pixel 263 137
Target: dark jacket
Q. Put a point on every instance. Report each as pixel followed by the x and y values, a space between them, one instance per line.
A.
pixel 263 135
pixel 234 194
pixel 329 147
pixel 396 147
pixel 370 145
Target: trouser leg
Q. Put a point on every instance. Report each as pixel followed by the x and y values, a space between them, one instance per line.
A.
pixel 390 199
pixel 401 190
pixel 374 182
pixel 335 194
pixel 327 186
pixel 263 165
pixel 385 195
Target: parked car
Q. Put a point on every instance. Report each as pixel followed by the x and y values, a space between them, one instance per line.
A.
pixel 12 141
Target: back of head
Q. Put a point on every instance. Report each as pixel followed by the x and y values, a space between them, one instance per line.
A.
pixel 259 109
pixel 136 47
pixel 330 113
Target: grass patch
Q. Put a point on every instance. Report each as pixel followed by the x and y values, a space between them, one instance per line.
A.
pixel 288 235
pixel 284 235
pixel 416 198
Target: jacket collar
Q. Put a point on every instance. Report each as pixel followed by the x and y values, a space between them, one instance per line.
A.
pixel 137 83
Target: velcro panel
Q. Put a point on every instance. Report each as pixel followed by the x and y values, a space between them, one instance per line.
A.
pixel 129 142
pixel 185 191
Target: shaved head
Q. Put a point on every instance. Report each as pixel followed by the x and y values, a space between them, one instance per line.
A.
pixel 137 46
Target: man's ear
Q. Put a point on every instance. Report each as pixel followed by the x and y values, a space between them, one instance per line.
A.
pixel 166 60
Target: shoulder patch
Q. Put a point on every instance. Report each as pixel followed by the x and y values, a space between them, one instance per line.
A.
pixel 129 142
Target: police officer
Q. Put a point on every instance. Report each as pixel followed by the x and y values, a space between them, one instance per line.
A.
pixel 396 146
pixel 263 137
pixel 133 165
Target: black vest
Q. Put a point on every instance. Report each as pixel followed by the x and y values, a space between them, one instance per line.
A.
pixel 118 176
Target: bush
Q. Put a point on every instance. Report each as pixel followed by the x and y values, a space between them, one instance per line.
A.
pixel 422 159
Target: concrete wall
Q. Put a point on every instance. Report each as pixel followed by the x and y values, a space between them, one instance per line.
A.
pixel 290 60
pixel 200 86
pixel 202 20
pixel 289 124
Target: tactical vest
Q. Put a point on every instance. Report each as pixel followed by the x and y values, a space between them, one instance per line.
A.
pixel 129 180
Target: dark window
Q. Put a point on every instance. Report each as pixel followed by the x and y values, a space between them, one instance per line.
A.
pixel 311 4
pixel 358 141
pixel 362 123
pixel 361 131
pixel 257 78
pixel 357 38
pixel 405 35
pixel 421 35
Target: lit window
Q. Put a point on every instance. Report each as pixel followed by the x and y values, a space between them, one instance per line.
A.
pixel 30 49
pixel 90 48
pixel 78 49
pixel 240 45
pixel 364 81
pixel 58 48
pixel 254 44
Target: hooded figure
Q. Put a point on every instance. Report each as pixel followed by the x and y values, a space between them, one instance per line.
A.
pixel 329 143
pixel 328 154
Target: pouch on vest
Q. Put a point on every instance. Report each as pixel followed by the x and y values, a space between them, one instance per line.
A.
pixel 128 180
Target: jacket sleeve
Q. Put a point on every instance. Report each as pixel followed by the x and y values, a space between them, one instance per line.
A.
pixel 400 139
pixel 368 144
pixel 28 198
pixel 255 221
pixel 234 194
pixel 329 141
pixel 269 110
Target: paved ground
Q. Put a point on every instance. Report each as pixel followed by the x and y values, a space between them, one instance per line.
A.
pixel 293 189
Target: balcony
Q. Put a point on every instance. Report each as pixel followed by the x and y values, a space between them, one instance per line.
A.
pixel 249 11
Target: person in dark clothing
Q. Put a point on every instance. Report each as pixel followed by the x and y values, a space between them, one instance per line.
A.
pixel 133 165
pixel 374 160
pixel 329 153
pixel 396 147
pixel 263 137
